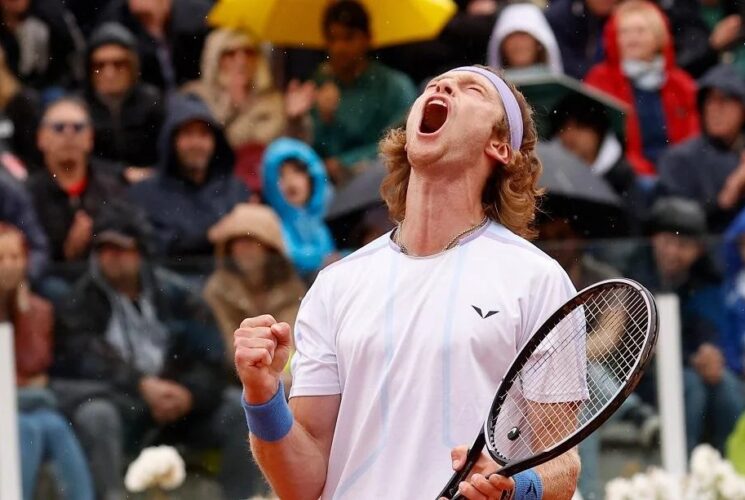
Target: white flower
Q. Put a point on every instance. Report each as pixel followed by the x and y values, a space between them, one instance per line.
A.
pixel 664 485
pixel 731 485
pixel 619 489
pixel 703 459
pixel 158 466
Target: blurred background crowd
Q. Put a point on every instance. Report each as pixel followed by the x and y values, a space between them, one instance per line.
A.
pixel 166 171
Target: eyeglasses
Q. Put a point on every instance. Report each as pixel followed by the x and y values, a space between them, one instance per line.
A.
pixel 117 64
pixel 60 126
pixel 246 51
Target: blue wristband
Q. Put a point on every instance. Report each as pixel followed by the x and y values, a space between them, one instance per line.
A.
pixel 270 421
pixel 528 486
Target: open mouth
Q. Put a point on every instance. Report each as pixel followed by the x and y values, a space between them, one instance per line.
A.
pixel 434 116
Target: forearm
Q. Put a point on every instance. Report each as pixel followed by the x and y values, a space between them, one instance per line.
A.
pixel 295 466
pixel 559 476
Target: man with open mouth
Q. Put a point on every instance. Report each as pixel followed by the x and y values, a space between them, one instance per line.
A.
pixel 401 345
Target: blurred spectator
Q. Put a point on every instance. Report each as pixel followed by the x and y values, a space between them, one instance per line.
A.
pixel 195 185
pixel 523 40
pixel 578 27
pixel 296 186
pixel 44 432
pixel 87 13
pixel 127 114
pixel 693 46
pixel 17 209
pixel 170 35
pixel 713 393
pixel 565 243
pixel 356 99
pixel 581 125
pixel 254 275
pixel 19 116
pixel 718 40
pixel 236 84
pixel 73 186
pixel 42 42
pixel 142 359
pixel 734 290
pixel 640 70
pixel 462 41
pixel 710 168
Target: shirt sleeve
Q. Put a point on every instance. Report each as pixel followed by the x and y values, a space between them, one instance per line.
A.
pixel 557 370
pixel 315 370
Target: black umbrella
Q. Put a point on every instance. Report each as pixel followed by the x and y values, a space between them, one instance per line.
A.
pixel 574 192
pixel 361 192
pixel 545 91
pixel 346 214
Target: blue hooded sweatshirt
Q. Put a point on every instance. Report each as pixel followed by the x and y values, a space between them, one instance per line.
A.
pixel 180 211
pixel 306 235
pixel 733 338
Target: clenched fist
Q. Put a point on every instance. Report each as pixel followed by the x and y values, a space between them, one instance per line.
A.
pixel 262 348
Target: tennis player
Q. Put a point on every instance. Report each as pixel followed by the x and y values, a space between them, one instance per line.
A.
pixel 401 345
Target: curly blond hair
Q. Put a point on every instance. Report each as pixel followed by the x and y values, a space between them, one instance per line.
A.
pixel 511 193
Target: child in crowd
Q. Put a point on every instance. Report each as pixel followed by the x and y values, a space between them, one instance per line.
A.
pixel 297 187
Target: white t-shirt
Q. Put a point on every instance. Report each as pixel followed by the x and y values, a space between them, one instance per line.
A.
pixel 417 348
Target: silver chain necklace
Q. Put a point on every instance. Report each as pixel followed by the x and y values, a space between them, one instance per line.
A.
pixel 451 244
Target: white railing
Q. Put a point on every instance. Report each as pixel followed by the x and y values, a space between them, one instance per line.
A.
pixel 670 386
pixel 10 470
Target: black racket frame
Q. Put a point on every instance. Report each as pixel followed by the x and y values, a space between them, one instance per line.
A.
pixel 509 469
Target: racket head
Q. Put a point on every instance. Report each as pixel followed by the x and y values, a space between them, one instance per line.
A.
pixel 604 337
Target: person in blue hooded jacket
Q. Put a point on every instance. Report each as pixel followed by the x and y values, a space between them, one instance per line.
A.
pixel 297 187
pixel 195 186
pixel 733 340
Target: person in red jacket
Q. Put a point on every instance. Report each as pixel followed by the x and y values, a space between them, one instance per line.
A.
pixel 639 69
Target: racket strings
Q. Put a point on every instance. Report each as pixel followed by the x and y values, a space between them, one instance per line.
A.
pixel 573 374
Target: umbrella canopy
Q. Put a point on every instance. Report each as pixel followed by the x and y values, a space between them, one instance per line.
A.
pixel 544 92
pixel 361 192
pixel 297 23
pixel 574 192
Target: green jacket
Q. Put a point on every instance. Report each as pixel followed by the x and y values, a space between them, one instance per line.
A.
pixel 377 101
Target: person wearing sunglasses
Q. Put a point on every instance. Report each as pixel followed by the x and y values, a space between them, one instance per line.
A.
pixel 70 188
pixel 237 85
pixel 126 113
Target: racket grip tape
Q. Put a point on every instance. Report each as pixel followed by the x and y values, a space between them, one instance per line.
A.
pixel 451 489
pixel 528 486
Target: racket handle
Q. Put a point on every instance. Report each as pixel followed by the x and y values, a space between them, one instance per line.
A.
pixel 450 491
pixel 506 495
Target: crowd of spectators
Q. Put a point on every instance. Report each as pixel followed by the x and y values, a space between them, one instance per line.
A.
pixel 161 180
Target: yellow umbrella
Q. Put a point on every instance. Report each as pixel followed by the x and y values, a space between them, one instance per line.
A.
pixel 297 23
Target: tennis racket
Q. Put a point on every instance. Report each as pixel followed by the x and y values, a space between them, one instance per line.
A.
pixel 568 379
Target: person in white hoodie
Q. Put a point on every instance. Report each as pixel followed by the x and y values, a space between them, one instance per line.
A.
pixel 522 40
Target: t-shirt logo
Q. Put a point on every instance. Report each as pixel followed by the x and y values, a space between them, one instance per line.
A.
pixel 481 313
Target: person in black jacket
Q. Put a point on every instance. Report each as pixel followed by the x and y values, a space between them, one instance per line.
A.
pixel 42 42
pixel 72 186
pixel 170 35
pixel 710 168
pixel 677 262
pixel 195 186
pixel 16 208
pixel 143 355
pixel 127 114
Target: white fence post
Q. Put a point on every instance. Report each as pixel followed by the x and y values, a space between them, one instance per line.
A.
pixel 670 386
pixel 10 470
